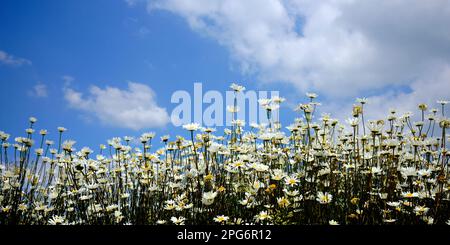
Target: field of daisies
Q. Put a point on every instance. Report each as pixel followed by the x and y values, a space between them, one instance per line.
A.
pixel 315 171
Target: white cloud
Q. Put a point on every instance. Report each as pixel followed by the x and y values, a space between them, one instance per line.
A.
pixel 428 90
pixel 338 48
pixel 39 90
pixel 131 3
pixel 8 59
pixel 67 79
pixel 133 108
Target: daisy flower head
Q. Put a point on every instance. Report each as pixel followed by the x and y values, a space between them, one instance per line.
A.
pixel 283 202
pixel 56 220
pixel 324 198
pixel 178 220
pixel 237 88
pixel 263 215
pixel 291 180
pixel 311 95
pixel 191 126
pixel 221 219
pixel 333 222
pixel 208 197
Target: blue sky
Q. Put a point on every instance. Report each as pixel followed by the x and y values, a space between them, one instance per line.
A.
pixel 101 43
pixel 338 50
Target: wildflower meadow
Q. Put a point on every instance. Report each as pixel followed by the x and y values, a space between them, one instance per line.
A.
pixel 316 170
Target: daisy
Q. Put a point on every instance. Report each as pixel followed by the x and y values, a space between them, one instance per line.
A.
pixel 208 197
pixel 311 95
pixel 263 215
pixel 408 171
pixel 221 219
pixel 389 220
pixel 333 222
pixel 410 194
pixel 291 193
pixel 291 180
pixel 424 172
pixel 22 207
pixel 362 100
pixel 237 88
pixel 68 144
pixel 277 174
pixel 56 220
pixel 178 221
pixel 354 121
pixel 376 170
pixel 421 210
pixel 393 204
pixel 191 126
pixel 283 202
pixel 324 198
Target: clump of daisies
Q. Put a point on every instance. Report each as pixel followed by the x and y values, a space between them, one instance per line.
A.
pixel 317 170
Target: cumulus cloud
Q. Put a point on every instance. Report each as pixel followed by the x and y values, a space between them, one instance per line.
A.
pixel 39 90
pixel 9 59
pixel 428 90
pixel 133 108
pixel 340 48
